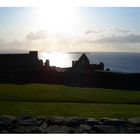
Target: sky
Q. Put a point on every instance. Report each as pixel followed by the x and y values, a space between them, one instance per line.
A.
pixel 69 29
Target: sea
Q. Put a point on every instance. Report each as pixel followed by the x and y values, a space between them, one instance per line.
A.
pixel 116 62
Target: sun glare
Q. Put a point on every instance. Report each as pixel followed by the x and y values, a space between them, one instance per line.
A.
pixel 57 59
pixel 55 19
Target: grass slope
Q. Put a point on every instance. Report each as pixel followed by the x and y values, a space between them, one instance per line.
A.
pixel 51 100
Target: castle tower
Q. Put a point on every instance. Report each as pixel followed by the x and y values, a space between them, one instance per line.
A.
pixel 83 59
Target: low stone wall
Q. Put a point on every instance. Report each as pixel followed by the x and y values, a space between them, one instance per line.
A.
pixel 28 124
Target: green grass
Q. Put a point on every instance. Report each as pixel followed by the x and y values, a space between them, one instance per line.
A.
pixel 52 100
pixel 70 109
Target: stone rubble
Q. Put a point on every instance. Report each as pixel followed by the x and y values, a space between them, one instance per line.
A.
pixel 69 125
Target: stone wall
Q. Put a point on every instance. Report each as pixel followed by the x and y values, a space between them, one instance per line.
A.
pixel 28 124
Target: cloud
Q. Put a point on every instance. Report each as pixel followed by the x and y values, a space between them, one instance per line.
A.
pixel 130 38
pixel 36 36
pixel 112 35
pixel 12 46
pixel 2 41
pixel 109 39
pixel 94 31
pixel 118 29
pixel 110 30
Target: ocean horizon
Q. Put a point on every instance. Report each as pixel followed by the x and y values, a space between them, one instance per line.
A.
pixel 125 62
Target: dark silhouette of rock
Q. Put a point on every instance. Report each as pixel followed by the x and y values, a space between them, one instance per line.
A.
pixel 107 69
pixel 106 129
pixel 57 120
pixel 28 124
pixel 135 121
pixel 137 130
pixel 7 118
pixel 60 129
pixel 44 126
pixel 7 122
pixel 92 121
pixel 84 128
pixel 112 121
pixel 28 129
pixel 74 121
pixel 27 121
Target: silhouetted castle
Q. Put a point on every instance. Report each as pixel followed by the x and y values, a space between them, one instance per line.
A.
pixel 27 68
pixel 83 65
pixel 29 62
pixel 20 68
pixel 20 62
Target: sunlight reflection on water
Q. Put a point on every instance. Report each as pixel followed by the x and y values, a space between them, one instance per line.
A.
pixel 58 59
pixel 119 62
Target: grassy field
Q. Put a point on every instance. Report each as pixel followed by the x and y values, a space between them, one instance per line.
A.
pixel 52 100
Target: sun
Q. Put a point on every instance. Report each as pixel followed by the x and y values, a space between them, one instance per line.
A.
pixel 56 19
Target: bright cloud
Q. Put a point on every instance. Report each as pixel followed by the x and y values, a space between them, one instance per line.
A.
pixel 109 39
pixel 37 35
pixel 112 35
